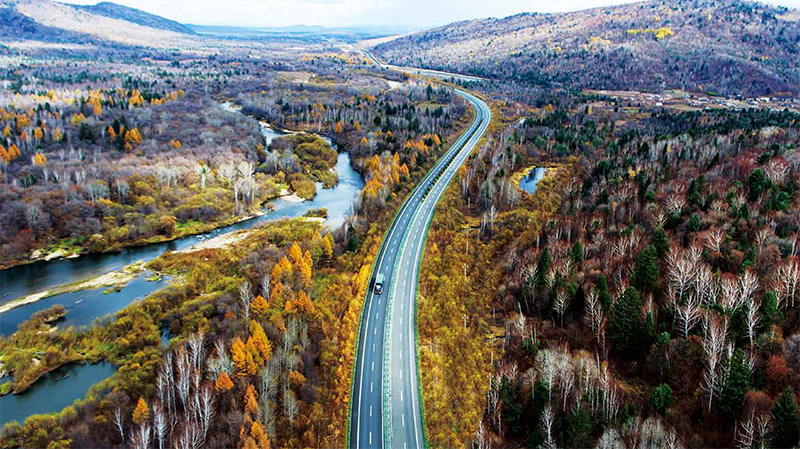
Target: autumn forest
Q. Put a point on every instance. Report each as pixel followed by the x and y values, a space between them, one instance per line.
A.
pixel 191 224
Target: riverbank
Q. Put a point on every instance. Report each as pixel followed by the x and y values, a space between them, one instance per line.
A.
pixel 113 279
pixel 181 231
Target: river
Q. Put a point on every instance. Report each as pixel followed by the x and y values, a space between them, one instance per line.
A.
pixel 54 391
pixel 85 306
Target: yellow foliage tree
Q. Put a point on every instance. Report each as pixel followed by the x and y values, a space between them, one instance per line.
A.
pixel 111 133
pixel 223 383
pixel 282 267
pixel 39 159
pixel 77 119
pixel 239 355
pixel 327 246
pixel 338 129
pixel 276 293
pixel 302 304
pixel 13 152
pixel 305 267
pixel 259 306
pixel 133 136
pixel 259 435
pixel 260 340
pixel 250 400
pixel 58 135
pixel 295 253
pixel 38 133
pixel 140 413
pixel 357 126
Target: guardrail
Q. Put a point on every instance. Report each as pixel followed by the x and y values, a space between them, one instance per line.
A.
pixel 440 171
pixel 437 168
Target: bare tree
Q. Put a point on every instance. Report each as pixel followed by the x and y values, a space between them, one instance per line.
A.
pixel 681 271
pixel 689 314
pixel 481 441
pixel 716 330
pixel 787 280
pixel 142 437
pixel 159 425
pixel 754 433
pixel 246 298
pixel 548 418
pixel 560 305
pixel 546 365
pixel 206 411
pixel 118 421
pixel 752 319
pixel 566 378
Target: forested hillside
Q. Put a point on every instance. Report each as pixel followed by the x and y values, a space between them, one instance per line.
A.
pixel 647 291
pixel 727 47
pixel 133 15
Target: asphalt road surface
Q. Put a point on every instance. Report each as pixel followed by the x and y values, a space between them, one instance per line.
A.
pixel 386 404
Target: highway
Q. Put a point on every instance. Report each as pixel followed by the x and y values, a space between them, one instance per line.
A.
pixel 418 71
pixel 386 406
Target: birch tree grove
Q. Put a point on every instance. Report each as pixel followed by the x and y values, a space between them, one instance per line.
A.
pixel 185 404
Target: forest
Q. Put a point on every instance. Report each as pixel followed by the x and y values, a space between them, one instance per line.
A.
pixel 730 48
pixel 646 293
pixel 261 332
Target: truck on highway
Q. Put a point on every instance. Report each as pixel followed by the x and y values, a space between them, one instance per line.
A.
pixel 379 284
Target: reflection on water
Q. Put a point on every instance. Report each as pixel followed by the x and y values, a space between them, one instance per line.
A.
pixel 531 180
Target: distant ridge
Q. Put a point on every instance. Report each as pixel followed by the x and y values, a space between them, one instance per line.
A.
pixel 102 24
pixel 729 47
pixel 137 16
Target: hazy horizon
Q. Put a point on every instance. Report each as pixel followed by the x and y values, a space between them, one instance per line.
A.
pixel 349 13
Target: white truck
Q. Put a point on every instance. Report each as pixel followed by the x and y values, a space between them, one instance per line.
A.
pixel 379 283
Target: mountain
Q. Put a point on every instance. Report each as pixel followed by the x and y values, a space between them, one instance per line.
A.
pixel 307 33
pixel 49 21
pixel 137 16
pixel 724 46
pixel 14 25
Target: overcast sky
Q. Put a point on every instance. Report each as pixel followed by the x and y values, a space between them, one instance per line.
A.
pixel 335 13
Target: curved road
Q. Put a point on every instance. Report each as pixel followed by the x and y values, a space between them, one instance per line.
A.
pixel 386 407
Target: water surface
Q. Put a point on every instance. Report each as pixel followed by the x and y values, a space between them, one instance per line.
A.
pixel 530 182
pixel 54 391
pixel 82 306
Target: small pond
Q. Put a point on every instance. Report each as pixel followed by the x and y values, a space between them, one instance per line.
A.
pixel 531 180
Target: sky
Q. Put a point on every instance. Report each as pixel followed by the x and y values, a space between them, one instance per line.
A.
pixel 414 14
